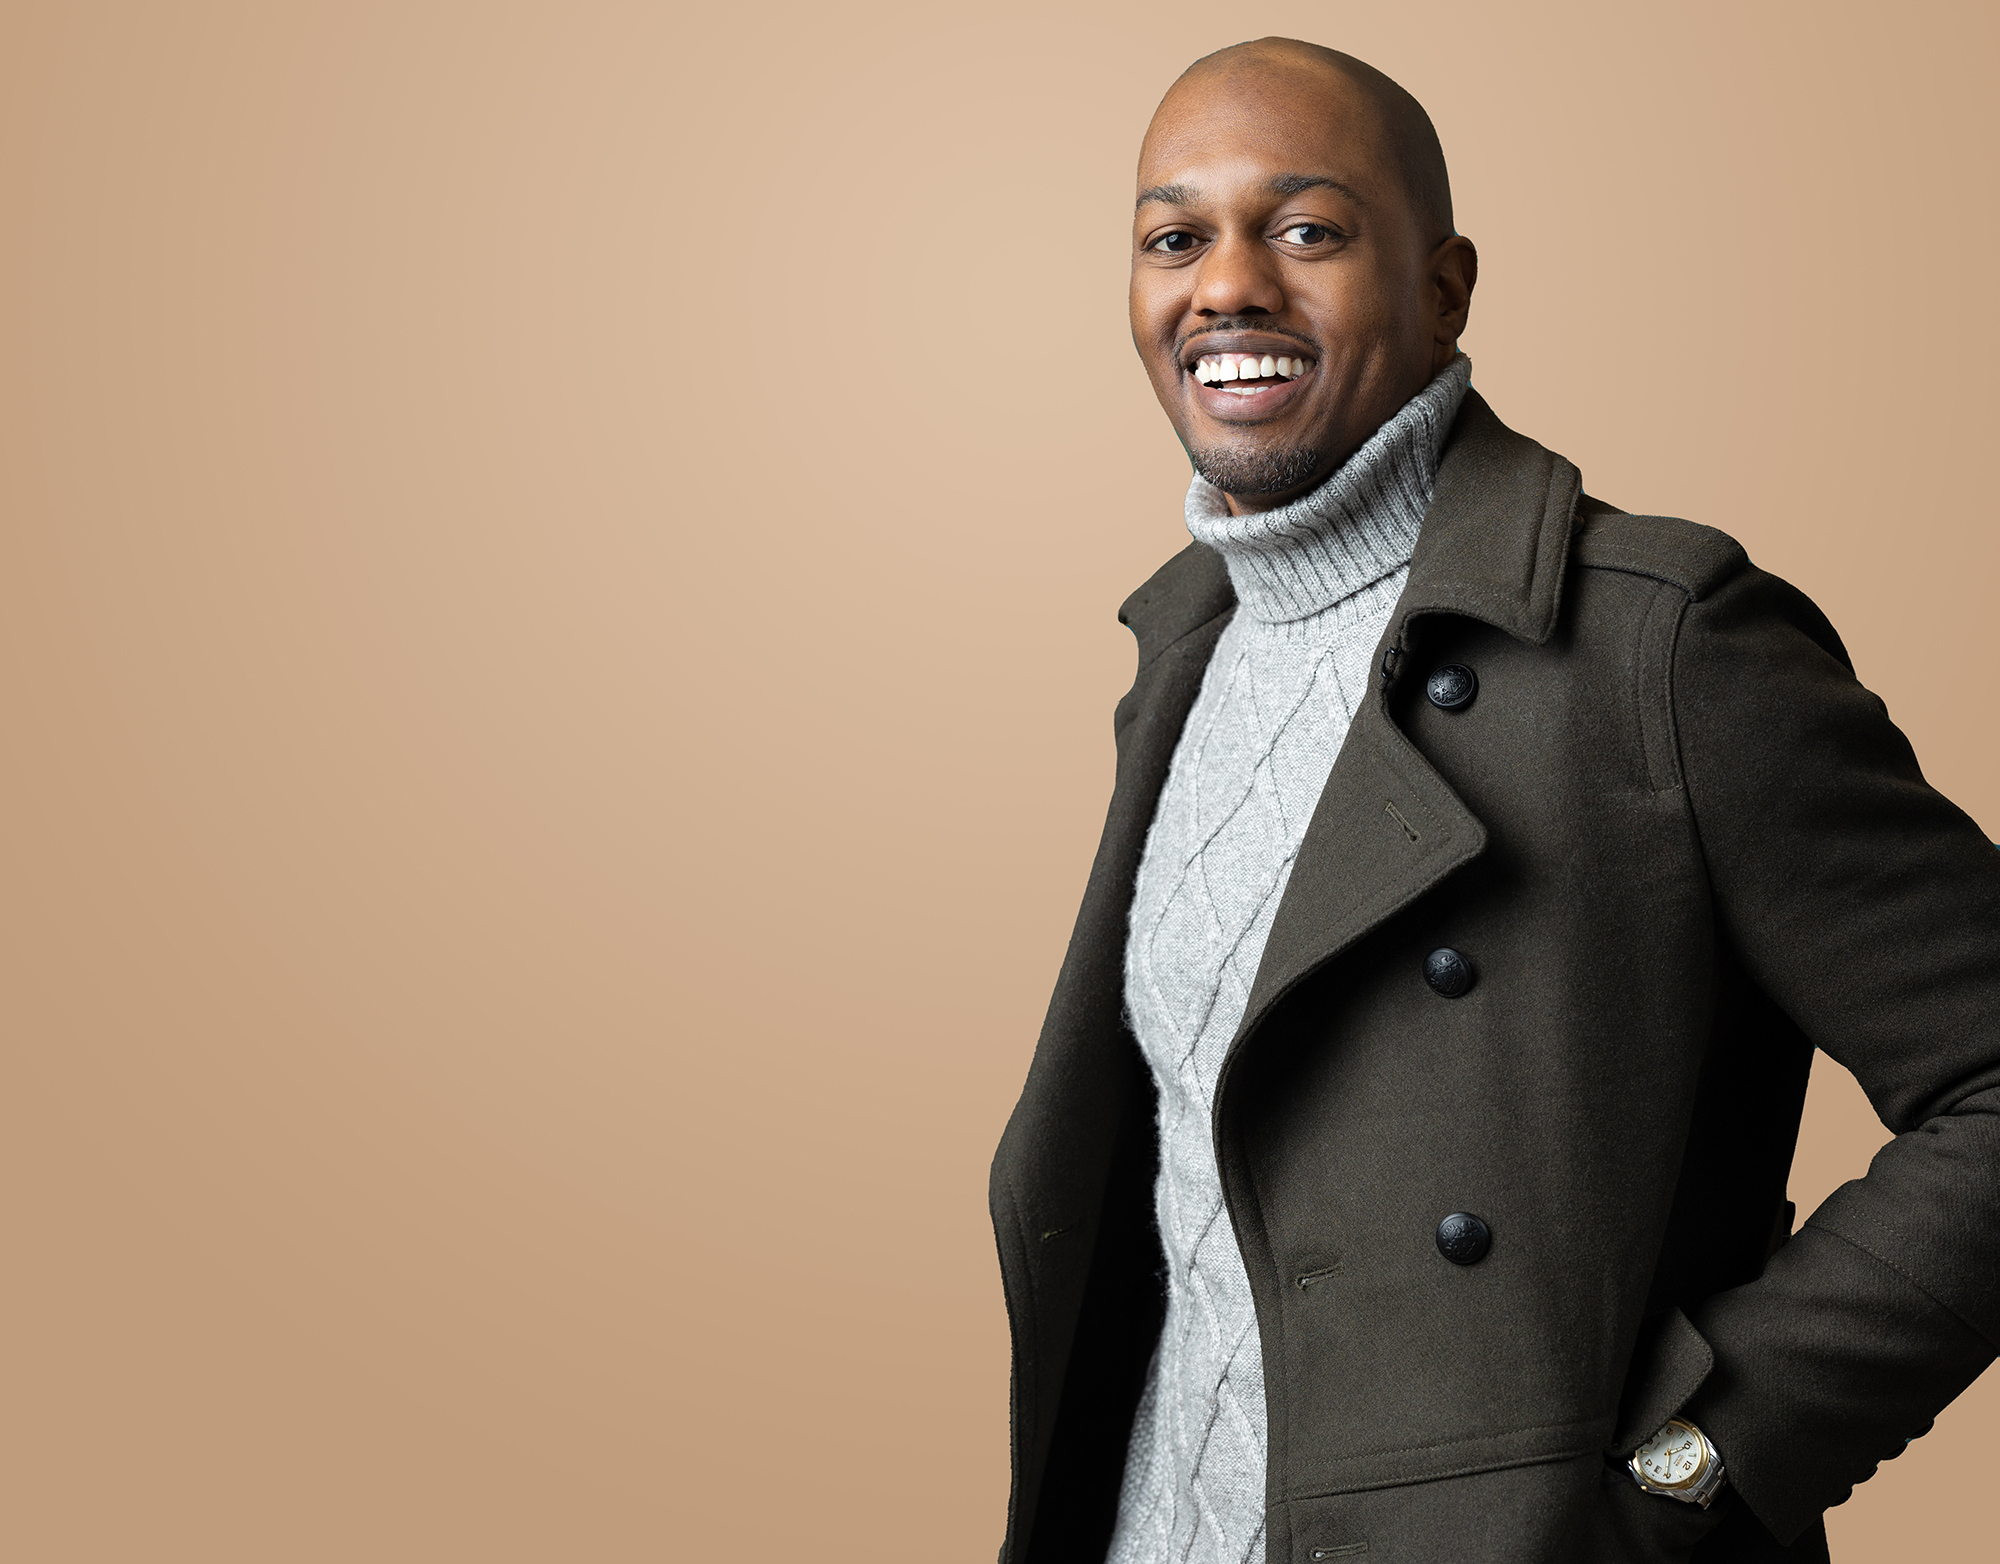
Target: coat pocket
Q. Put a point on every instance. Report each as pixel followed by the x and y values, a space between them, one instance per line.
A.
pixel 1668 1367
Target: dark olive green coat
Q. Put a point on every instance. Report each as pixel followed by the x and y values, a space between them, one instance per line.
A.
pixel 1681 845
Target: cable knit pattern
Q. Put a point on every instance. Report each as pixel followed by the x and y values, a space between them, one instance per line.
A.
pixel 1316 582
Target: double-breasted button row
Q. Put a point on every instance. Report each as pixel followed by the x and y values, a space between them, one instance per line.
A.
pixel 1462 1238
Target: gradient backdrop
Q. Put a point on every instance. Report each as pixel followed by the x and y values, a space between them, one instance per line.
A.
pixel 557 570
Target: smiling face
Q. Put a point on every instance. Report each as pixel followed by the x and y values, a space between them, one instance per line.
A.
pixel 1289 292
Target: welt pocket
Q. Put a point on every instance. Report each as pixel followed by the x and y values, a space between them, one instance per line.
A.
pixel 1447 1458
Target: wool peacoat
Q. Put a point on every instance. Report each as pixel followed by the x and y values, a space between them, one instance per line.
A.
pixel 1676 846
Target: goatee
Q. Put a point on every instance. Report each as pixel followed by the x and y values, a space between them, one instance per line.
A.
pixel 1255 472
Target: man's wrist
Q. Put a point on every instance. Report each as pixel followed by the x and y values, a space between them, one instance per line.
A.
pixel 1679 1462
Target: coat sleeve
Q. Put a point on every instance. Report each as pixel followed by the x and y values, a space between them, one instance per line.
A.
pixel 1868 906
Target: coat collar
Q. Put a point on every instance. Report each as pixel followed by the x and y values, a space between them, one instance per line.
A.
pixel 1496 538
pixel 1493 545
pixel 1387 827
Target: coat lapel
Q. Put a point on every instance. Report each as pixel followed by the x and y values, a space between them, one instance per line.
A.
pixel 1176 617
pixel 1086 1073
pixel 1387 827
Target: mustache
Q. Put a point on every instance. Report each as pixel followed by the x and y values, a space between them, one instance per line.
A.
pixel 1245 323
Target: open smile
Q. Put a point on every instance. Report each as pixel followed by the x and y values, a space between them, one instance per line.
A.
pixel 1237 386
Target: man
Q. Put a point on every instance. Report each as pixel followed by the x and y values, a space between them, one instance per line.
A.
pixel 1402 1168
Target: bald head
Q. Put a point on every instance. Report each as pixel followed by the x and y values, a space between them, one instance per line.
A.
pixel 1407 137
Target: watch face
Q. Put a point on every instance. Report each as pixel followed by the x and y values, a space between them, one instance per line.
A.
pixel 1673 1457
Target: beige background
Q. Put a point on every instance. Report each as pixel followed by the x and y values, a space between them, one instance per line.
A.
pixel 556 649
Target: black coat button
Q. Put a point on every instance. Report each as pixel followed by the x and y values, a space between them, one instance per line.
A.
pixel 1448 973
pixel 1463 1239
pixel 1452 687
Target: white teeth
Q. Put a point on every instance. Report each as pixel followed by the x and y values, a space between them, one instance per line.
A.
pixel 1216 369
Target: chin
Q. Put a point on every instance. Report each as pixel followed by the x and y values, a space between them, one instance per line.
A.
pixel 1257 471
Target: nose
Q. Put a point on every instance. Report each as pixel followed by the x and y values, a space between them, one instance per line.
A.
pixel 1239 276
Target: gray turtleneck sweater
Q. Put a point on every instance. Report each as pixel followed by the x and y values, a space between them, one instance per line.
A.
pixel 1316 581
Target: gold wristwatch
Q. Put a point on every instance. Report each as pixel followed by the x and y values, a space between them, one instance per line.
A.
pixel 1679 1463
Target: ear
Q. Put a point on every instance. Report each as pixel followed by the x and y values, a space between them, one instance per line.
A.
pixel 1454 273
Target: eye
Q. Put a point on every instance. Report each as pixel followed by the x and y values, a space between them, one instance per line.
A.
pixel 1306 234
pixel 1179 242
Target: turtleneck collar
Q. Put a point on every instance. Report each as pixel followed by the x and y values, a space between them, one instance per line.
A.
pixel 1354 529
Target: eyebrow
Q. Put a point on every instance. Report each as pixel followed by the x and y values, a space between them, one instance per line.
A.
pixel 1293 184
pixel 1173 195
pixel 1281 185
